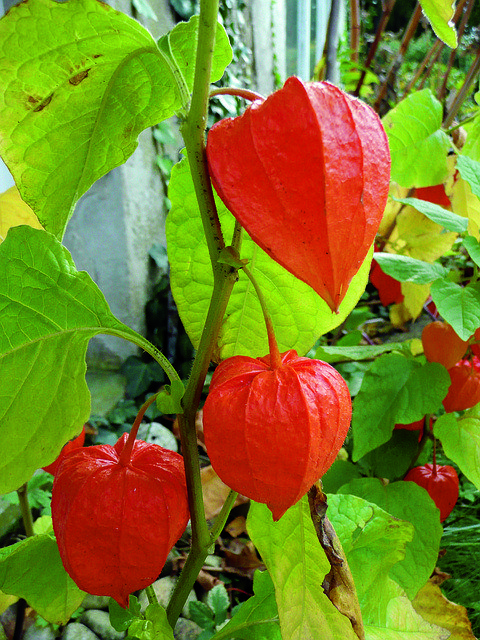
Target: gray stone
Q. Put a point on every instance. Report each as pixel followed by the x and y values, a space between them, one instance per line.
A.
pixel 156 433
pixel 39 633
pixel 95 602
pixel 186 630
pixel 99 623
pixel 163 590
pixel 78 631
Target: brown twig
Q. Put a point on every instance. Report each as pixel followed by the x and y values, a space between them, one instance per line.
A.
pixel 408 35
pixel 354 29
pixel 387 7
pixel 463 23
pixel 462 92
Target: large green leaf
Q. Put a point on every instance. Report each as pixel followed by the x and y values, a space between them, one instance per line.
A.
pixel 370 352
pixel 32 569
pixel 297 565
pixel 461 441
pixel 48 313
pixel 440 14
pixel 418 146
pixel 459 306
pixel 406 501
pixel 79 82
pixel 394 390
pixel 299 315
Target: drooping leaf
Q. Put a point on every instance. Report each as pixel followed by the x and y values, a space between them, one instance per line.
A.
pixel 459 306
pixel 14 211
pixel 299 315
pixel 441 216
pixel 369 352
pixel 257 618
pixel 417 143
pixel 414 297
pixel 394 390
pixel 406 501
pixel 460 439
pixel 297 565
pixel 466 203
pixel 48 313
pixel 472 245
pixel 408 269
pixel 76 93
pixel 440 14
pixel 32 569
pixel 470 171
pixel 433 606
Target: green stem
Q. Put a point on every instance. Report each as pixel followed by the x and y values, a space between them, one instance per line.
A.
pixel 151 595
pixel 22 493
pixel 224 277
pixel 246 94
pixel 195 561
pixel 275 358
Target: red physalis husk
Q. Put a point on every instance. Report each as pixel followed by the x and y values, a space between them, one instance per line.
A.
pixel 271 433
pixel 464 390
pixel 115 524
pixel 75 443
pixel 441 482
pixel 442 344
pixel 306 173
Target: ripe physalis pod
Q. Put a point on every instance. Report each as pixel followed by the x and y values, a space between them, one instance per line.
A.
pixel 306 173
pixel 76 443
pixel 271 433
pixel 441 482
pixel 117 512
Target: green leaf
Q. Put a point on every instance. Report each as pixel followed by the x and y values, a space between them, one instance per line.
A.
pixel 299 315
pixel 341 472
pixel 121 618
pixel 169 400
pixel 408 269
pixel 32 569
pixel 219 602
pixel 154 627
pixel 418 146
pixel 460 439
pixel 394 390
pixel 470 171
pixel 440 14
pixel 370 352
pixel 257 618
pixel 459 306
pixel 438 214
pixel 48 313
pixel 472 245
pixel 373 541
pixel 406 501
pixel 392 459
pixel 202 614
pixel 183 41
pixel 297 565
pixel 77 92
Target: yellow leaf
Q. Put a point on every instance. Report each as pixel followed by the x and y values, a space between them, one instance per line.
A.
pixel 434 607
pixel 14 212
pixel 418 237
pixel 466 204
pixel 6 600
pixel 392 208
pixel 415 296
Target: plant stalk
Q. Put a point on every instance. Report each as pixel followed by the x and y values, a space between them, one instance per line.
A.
pixel 27 519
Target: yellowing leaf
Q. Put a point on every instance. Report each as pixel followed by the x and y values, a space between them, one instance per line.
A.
pixel 392 208
pixel 466 204
pixel 14 212
pixel 434 607
pixel 418 237
pixel 6 600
